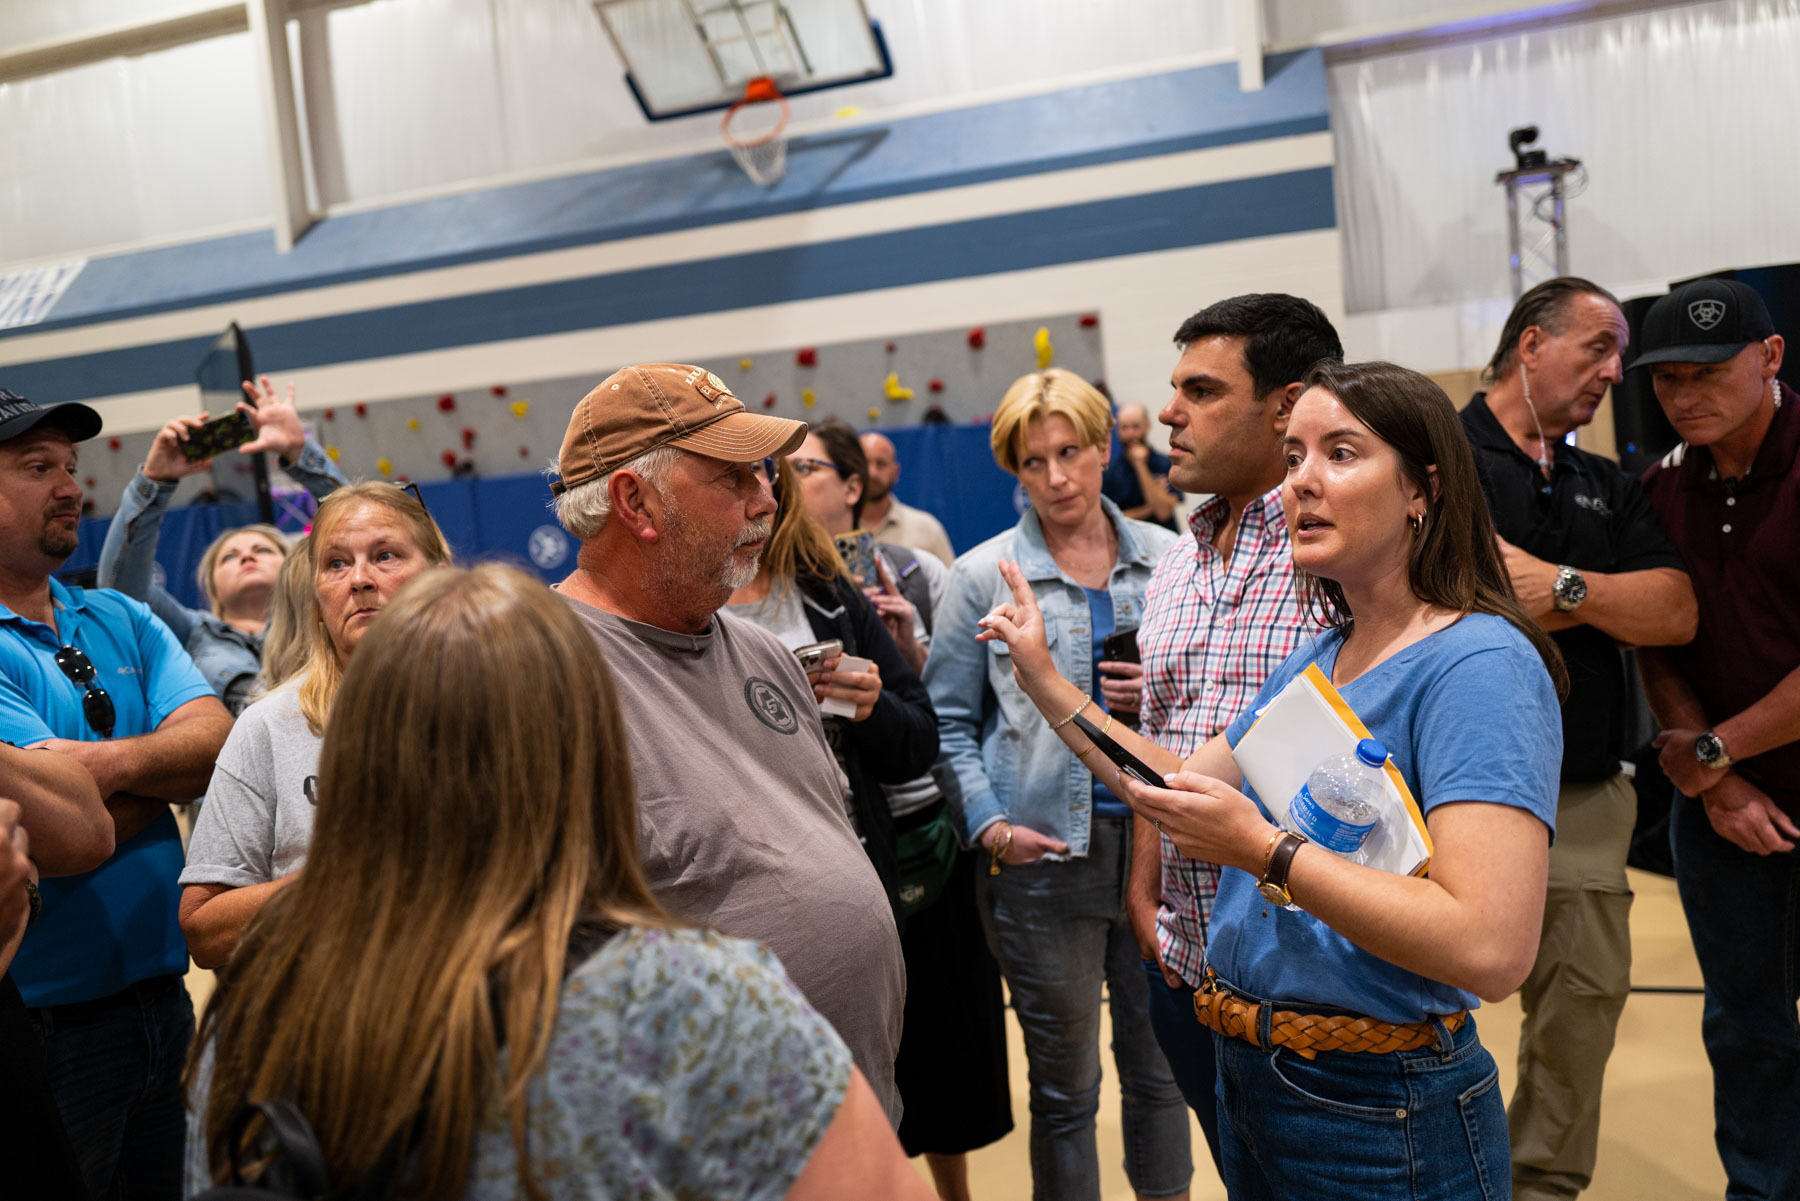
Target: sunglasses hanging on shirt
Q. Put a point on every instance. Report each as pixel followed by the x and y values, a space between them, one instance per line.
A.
pixel 96 706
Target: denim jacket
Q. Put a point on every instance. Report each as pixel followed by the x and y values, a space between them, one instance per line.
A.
pixel 228 657
pixel 1006 759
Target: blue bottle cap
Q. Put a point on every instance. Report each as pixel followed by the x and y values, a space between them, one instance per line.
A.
pixel 1371 752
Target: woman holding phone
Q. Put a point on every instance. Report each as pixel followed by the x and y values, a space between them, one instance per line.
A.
pixel 951 1066
pixel 238 570
pixel 1055 844
pixel 1349 1064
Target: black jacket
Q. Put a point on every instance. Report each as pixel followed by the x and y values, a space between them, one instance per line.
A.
pixel 898 742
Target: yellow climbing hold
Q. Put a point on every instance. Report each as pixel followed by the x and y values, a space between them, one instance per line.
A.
pixel 384 465
pixel 891 385
pixel 331 452
pixel 809 398
pixel 744 364
pixel 520 408
pixel 412 423
pixel 874 413
pixel 1045 351
pixel 848 111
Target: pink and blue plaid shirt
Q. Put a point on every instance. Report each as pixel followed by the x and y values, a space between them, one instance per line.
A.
pixel 1211 635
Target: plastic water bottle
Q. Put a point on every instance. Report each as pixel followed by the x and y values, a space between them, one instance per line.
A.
pixel 1339 806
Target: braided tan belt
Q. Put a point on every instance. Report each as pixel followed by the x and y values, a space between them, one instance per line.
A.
pixel 1306 1034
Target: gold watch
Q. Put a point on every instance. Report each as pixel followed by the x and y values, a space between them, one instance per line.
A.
pixel 1274 882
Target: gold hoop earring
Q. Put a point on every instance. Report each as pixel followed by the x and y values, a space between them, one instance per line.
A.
pixel 1417 522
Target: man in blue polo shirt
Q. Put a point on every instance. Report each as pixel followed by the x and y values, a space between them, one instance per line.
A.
pixel 95 676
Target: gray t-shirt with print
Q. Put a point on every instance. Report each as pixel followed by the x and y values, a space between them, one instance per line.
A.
pixel 258 817
pixel 741 819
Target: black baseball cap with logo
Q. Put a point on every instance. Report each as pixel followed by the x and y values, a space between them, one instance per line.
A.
pixel 19 416
pixel 1706 321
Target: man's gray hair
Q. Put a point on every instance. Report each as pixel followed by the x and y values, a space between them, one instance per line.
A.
pixel 583 509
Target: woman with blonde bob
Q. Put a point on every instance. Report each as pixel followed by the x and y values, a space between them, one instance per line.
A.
pixel 253 831
pixel 1340 995
pixel 474 993
pixel 1055 845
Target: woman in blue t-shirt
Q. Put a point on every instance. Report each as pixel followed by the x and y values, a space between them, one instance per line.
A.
pixel 1348 1064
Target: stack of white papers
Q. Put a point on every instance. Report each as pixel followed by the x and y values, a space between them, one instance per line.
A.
pixel 1307 723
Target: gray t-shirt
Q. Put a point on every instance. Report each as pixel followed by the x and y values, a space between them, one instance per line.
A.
pixel 742 823
pixel 257 819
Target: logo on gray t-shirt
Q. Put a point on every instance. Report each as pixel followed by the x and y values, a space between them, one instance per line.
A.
pixel 770 705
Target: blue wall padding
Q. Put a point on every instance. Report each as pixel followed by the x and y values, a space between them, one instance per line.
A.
pixel 1110 122
pixel 946 469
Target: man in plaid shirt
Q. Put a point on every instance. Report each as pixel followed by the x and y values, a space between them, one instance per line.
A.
pixel 1220 615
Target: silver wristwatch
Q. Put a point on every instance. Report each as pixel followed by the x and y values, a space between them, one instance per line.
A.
pixel 1569 590
pixel 1710 750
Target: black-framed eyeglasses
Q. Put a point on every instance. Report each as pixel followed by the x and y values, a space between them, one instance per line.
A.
pixel 96 706
pixel 417 495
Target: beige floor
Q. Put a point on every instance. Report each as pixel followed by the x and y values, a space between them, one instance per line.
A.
pixel 1656 1133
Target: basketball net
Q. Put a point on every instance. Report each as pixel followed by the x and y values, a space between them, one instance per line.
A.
pixel 756 130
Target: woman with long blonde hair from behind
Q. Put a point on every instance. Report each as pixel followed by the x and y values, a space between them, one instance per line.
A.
pixel 252 834
pixel 476 914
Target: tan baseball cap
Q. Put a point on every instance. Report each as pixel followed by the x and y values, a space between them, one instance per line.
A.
pixel 640 408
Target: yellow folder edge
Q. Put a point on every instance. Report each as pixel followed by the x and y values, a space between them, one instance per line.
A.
pixel 1342 708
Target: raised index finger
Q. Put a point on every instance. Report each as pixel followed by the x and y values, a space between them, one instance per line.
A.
pixel 1015 579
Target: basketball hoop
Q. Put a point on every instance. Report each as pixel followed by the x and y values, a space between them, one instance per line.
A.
pixel 759 141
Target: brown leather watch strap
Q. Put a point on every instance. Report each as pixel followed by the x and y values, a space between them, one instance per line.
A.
pixel 1281 860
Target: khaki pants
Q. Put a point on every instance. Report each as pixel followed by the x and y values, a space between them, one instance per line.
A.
pixel 1574 994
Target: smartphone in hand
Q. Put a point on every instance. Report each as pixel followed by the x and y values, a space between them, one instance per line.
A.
pixel 218 436
pixel 1120 646
pixel 814 656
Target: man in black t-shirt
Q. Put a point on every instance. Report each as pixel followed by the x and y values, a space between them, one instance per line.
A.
pixel 1591 564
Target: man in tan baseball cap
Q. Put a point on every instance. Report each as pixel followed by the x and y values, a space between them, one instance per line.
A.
pixel 661 477
pixel 665 479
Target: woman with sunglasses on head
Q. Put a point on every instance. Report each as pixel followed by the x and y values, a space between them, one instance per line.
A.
pixel 252 833
pixel 1055 846
pixel 951 1066
pixel 238 569
pixel 472 992
pixel 1349 1065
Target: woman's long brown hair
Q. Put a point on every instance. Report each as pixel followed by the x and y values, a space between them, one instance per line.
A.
pixel 1455 561
pixel 475 802
pixel 798 547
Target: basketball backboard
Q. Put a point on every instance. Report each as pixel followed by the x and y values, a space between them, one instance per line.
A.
pixel 693 56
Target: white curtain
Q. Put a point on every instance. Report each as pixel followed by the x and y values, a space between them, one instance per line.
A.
pixel 23 22
pixel 1684 117
pixel 132 150
pixel 400 97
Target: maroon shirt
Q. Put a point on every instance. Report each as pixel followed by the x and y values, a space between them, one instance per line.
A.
pixel 1741 542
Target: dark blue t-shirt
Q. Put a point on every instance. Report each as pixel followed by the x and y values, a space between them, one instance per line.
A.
pixel 1100 617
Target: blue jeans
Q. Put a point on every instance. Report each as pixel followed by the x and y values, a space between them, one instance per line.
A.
pixel 1058 930
pixel 1426 1125
pixel 115 1065
pixel 1188 1046
pixel 1743 912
